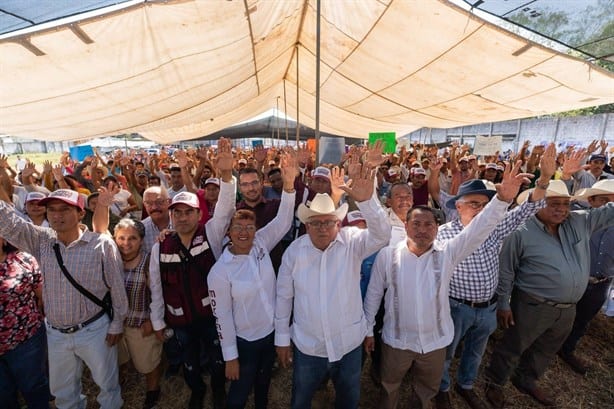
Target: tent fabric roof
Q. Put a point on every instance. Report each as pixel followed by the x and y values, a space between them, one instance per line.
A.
pixel 178 70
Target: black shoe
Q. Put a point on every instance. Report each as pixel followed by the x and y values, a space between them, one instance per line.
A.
pixel 540 395
pixel 575 363
pixel 197 398
pixel 442 400
pixel 151 399
pixel 219 400
pixel 472 398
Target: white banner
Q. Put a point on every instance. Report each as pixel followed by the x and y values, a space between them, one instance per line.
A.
pixel 487 145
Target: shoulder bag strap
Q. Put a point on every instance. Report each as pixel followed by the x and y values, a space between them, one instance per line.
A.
pixel 82 290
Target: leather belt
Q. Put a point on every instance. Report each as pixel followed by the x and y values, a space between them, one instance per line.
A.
pixel 474 304
pixel 75 328
pixel 554 304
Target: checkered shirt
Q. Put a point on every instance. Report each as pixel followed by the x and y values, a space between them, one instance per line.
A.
pixel 476 278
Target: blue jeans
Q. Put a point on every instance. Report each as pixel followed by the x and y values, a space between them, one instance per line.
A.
pixel 310 371
pixel 473 326
pixel 23 368
pixel 255 365
pixel 68 352
pixel 193 337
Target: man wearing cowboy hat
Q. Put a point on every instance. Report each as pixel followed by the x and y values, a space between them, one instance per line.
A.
pixel 544 269
pixel 601 272
pixel 318 283
pixel 474 282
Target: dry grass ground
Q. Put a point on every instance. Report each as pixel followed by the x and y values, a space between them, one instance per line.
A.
pixel 595 390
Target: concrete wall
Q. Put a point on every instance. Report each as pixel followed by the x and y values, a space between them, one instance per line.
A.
pixel 579 130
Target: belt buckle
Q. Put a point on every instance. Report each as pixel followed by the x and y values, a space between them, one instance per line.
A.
pixel 71 330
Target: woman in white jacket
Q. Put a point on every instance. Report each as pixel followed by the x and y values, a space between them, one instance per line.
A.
pixel 242 291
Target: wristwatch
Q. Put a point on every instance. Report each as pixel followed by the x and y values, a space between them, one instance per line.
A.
pixel 543 186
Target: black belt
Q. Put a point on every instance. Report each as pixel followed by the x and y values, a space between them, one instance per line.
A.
pixel 75 328
pixel 474 304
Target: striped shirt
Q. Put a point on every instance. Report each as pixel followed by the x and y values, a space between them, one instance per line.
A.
pixel 476 277
pixel 93 260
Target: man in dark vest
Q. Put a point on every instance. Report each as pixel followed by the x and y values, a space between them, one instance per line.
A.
pixel 179 268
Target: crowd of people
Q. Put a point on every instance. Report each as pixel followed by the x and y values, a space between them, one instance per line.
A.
pixel 232 261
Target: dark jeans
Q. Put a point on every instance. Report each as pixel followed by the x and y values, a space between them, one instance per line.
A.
pixel 586 309
pixel 23 369
pixel 528 347
pixel 191 338
pixel 309 371
pixel 255 365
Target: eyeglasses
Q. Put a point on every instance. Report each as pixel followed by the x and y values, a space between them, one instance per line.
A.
pixel 324 223
pixel 474 205
pixel 244 185
pixel 238 228
pixel 157 202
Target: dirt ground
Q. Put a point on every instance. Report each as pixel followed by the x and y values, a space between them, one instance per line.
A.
pixel 595 390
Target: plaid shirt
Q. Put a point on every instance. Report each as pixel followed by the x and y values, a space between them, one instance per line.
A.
pixel 93 260
pixel 476 277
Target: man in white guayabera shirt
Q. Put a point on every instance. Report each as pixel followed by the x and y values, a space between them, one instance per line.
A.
pixel 417 275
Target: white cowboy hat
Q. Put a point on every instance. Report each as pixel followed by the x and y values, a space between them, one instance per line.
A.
pixel 557 188
pixel 321 205
pixel 603 187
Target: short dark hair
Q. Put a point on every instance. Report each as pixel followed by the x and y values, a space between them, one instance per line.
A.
pixel 425 209
pixel 92 196
pixel 8 247
pixel 246 171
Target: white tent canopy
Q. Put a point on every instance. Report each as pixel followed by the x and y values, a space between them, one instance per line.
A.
pixel 179 70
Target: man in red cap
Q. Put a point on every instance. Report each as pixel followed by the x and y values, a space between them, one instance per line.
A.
pixel 94 262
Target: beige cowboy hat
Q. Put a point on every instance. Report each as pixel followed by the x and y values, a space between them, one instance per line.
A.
pixel 557 188
pixel 321 205
pixel 603 187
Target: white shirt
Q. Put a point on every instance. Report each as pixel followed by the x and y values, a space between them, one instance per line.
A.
pixel 152 233
pixel 120 201
pixel 417 316
pixel 324 288
pixel 398 233
pixel 216 230
pixel 242 287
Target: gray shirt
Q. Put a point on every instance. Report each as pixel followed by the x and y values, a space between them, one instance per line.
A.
pixel 539 264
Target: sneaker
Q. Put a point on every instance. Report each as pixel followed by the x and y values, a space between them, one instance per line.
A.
pixel 472 398
pixel 442 400
pixel 575 363
pixel 197 398
pixel 151 399
pixel 494 395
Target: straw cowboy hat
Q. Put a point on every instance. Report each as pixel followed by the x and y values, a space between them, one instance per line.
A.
pixel 603 187
pixel 321 205
pixel 556 188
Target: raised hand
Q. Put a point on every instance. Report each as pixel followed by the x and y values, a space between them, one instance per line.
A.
pixel 202 153
pixel 182 158
pixel 354 166
pixel 289 167
pixel 592 147
pixel 361 187
pixel 573 162
pixel 224 160
pixel 105 198
pixel 260 153
pixel 337 179
pixel 4 161
pixel 303 155
pixel 547 163
pixel 375 154
pixel 435 166
pixel 47 166
pixel 511 182
pixel 57 172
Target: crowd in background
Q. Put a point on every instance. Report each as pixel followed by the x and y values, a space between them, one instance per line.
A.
pixel 225 260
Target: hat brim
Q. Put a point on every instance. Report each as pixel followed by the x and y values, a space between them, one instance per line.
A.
pixel 304 213
pixel 172 206
pixel 451 203
pixel 585 193
pixel 45 202
pixel 522 197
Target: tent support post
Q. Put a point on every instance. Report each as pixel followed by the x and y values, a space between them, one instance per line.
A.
pixel 286 112
pixel 297 101
pixel 317 127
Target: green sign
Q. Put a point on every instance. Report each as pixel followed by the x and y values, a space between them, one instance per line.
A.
pixel 389 138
